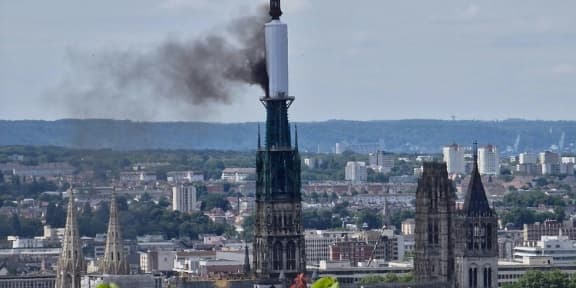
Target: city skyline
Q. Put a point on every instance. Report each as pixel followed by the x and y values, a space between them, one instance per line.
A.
pixel 511 60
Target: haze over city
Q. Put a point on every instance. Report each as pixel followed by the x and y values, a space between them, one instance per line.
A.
pixel 362 61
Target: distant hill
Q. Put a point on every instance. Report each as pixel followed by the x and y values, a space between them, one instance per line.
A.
pixel 397 136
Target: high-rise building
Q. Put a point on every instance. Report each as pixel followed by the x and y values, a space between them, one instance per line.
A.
pixel 356 172
pixel 488 160
pixel 71 263
pixel 434 231
pixel 381 161
pixel 278 231
pixel 454 158
pixel 527 158
pixel 550 163
pixel 184 198
pixel 476 237
pixel 114 261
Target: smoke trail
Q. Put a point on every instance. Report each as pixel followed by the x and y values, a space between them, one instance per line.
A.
pixel 190 75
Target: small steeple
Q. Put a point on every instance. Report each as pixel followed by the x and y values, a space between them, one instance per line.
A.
pixel 275 10
pixel 475 201
pixel 71 262
pixel 114 262
pixel 246 261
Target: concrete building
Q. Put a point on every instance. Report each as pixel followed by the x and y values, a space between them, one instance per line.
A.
pixel 550 163
pixel 36 281
pixel 156 261
pixel 184 176
pixel 488 160
pixel 318 243
pixel 534 232
pixel 184 198
pixel 527 158
pixel 237 174
pixel 381 161
pixel 454 158
pixel 353 251
pixel 356 172
pixel 556 250
pixel 408 226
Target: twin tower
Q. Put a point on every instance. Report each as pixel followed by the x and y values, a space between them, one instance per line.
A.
pixel 454 247
pixel 71 264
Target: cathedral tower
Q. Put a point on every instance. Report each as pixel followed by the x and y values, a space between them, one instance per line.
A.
pixel 279 239
pixel 434 232
pixel 477 243
pixel 114 261
pixel 71 263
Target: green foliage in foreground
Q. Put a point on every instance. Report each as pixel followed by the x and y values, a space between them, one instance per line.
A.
pixel 326 282
pixel 539 279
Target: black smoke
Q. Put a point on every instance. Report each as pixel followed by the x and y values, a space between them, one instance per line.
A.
pixel 191 75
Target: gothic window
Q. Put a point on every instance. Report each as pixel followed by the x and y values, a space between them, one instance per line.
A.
pixel 489 236
pixel 291 256
pixel 483 236
pixel 430 231
pixel 489 277
pixel 469 237
pixel 436 232
pixel 277 256
pixel 485 277
pixel 475 276
pixel 470 277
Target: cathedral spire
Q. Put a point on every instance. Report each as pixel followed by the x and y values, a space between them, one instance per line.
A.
pixel 114 261
pixel 475 201
pixel 71 262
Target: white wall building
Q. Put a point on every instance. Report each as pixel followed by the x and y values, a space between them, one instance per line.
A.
pixel 488 160
pixel 237 174
pixel 318 243
pixel 184 176
pixel 184 198
pixel 560 249
pixel 454 158
pixel 356 172
pixel 527 158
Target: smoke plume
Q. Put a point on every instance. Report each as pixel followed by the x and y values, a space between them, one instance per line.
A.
pixel 191 76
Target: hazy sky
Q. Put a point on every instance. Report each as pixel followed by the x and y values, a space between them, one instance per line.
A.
pixel 361 60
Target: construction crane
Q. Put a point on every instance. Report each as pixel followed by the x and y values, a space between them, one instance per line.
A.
pixel 376 245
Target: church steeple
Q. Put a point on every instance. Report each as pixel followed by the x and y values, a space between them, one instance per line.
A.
pixel 114 261
pixel 71 263
pixel 475 202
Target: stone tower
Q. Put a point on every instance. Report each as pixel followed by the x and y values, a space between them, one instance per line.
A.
pixel 114 261
pixel 71 263
pixel 278 233
pixel 477 243
pixel 434 232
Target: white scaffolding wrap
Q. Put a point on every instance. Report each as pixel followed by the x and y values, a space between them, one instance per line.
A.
pixel 277 58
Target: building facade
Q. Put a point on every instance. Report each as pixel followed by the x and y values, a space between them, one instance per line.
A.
pixel 454 158
pixel 476 237
pixel 434 231
pixel 184 198
pixel 488 160
pixel 356 172
pixel 71 265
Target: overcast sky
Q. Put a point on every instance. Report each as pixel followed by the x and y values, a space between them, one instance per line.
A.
pixel 358 60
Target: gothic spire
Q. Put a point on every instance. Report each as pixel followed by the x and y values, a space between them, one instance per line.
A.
pixel 475 202
pixel 114 261
pixel 71 261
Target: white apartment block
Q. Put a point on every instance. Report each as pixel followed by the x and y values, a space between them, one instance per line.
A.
pixel 184 176
pixel 558 249
pixel 184 198
pixel 356 172
pixel 488 160
pixel 454 158
pixel 318 243
pixel 237 174
pixel 527 158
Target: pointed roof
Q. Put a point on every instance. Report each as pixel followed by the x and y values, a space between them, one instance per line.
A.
pixel 71 261
pixel 475 202
pixel 114 261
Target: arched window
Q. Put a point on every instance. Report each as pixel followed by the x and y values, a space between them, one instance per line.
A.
pixel 291 256
pixel 277 256
pixel 489 236
pixel 470 237
pixel 489 277
pixel 483 236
